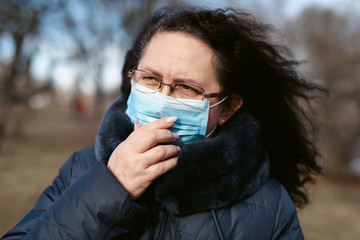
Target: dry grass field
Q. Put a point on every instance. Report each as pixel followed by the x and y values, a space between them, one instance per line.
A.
pixel 29 164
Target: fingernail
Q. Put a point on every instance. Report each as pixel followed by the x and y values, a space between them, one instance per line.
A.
pixel 176 136
pixel 136 125
pixel 178 148
pixel 171 119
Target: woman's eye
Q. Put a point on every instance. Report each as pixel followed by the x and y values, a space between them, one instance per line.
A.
pixel 150 78
pixel 187 88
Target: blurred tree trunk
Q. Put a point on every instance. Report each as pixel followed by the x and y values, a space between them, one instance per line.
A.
pixel 20 20
pixel 8 89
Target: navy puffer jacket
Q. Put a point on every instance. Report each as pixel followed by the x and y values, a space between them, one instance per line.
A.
pixel 220 189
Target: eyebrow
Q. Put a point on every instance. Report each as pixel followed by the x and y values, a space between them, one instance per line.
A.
pixel 183 80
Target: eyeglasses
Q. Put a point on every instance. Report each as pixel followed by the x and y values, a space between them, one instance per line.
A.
pixel 177 90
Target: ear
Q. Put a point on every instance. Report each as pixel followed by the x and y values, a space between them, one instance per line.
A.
pixel 231 105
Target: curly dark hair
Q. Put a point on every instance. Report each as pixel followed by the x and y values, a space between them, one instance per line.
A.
pixel 262 73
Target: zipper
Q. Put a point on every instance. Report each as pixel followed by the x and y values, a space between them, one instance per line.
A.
pixel 163 224
pixel 217 225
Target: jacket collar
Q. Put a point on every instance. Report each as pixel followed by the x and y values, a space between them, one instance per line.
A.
pixel 210 174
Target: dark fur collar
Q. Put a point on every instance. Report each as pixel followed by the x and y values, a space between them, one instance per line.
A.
pixel 210 174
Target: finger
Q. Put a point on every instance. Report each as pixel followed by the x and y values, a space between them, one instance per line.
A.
pixel 160 153
pixel 162 167
pixel 146 139
pixel 161 123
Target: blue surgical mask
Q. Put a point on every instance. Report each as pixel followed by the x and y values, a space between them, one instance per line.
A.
pixel 145 106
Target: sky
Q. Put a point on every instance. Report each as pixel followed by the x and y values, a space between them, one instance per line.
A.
pixel 295 6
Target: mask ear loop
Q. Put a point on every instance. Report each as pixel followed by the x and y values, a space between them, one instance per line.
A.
pixel 212 131
pixel 222 100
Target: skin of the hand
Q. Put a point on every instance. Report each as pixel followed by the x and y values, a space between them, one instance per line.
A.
pixel 139 160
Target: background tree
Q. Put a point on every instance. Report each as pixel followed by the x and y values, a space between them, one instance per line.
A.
pixel 21 22
pixel 331 43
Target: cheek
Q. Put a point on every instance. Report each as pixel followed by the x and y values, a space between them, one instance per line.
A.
pixel 214 115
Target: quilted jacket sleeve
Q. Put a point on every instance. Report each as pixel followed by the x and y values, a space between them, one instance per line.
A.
pixel 287 226
pixel 85 201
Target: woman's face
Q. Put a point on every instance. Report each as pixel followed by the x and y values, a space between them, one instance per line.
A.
pixel 176 56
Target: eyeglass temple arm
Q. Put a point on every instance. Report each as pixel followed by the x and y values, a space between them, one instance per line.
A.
pixel 212 95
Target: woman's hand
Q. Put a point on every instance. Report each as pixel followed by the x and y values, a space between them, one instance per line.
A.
pixel 139 160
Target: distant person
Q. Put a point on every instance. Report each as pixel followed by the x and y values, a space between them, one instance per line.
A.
pixel 80 106
pixel 209 144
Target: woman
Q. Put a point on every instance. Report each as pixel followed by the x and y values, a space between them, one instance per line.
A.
pixel 212 144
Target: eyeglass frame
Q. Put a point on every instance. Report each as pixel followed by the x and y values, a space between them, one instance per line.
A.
pixel 205 95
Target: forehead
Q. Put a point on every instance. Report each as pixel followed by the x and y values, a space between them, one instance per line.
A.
pixel 179 55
